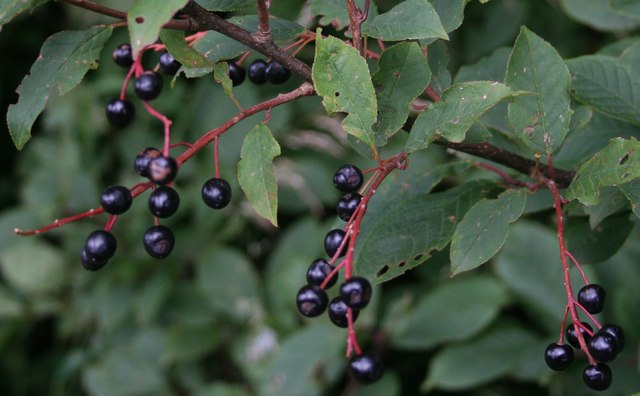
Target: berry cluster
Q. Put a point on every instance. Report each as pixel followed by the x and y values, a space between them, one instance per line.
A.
pixel 355 292
pixel 259 72
pixel 601 346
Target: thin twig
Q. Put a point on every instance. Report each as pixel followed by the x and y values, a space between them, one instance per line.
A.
pixel 355 20
pixel 264 30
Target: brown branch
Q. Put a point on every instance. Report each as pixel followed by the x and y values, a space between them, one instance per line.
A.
pixel 264 30
pixel 100 9
pixel 355 20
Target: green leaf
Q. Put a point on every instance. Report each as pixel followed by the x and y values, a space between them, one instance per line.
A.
pixel 184 343
pixel 541 121
pixel 282 30
pixel 221 75
pixel 402 75
pixel 612 200
pixel 595 245
pixel 33 266
pixel 10 9
pixel 451 13
pixel 255 172
pixel 332 12
pixel 598 15
pixel 628 8
pixel 63 61
pixel 483 230
pixel 221 388
pixel 145 19
pixel 632 192
pixel 607 84
pixel 616 164
pixel 461 105
pixel 226 5
pixel 411 19
pixel 341 77
pixel 402 236
pixel 476 301
pixel 181 51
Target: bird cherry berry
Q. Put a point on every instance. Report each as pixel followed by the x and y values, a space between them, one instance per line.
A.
pixel 332 242
pixel 572 337
pixel 348 178
pixel 116 200
pixel 168 64
pixel 318 272
pixel 348 205
pixel 164 201
pixel 120 113
pixel 91 264
pixel 366 368
pixel 356 292
pixel 257 74
pixel 276 73
pixel 616 332
pixel 338 312
pixel 123 56
pixel 597 376
pixel 163 170
pixel 148 85
pixel 558 356
pixel 591 297
pixel 216 193
pixel 236 73
pixel 603 347
pixel 99 247
pixel 311 301
pixel 158 241
pixel 144 158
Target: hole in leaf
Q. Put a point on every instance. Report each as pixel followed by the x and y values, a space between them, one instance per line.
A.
pixel 139 19
pixel 337 94
pixel 624 159
pixel 402 264
pixel 625 175
pixel 418 257
pixel 382 270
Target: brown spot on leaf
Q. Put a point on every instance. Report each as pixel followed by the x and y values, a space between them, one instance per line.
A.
pixel 139 19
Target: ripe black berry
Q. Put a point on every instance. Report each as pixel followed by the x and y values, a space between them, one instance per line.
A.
pixel 616 332
pixel 591 297
pixel 116 200
pixel 143 159
pixel 216 193
pixel 89 264
pixel 318 272
pixel 257 73
pixel 356 292
pixel 332 242
pixel 120 113
pixel 558 356
pixel 603 347
pixel 348 178
pixel 99 247
pixel 164 201
pixel 168 64
pixel 162 170
pixel 366 368
pixel 597 376
pixel 311 301
pixel 347 205
pixel 148 85
pixel 158 241
pixel 236 73
pixel 276 73
pixel 123 56
pixel 572 336
pixel 338 312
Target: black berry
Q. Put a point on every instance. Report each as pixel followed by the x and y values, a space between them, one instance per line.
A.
pixel 236 73
pixel 158 241
pixel 162 170
pixel 312 301
pixel 99 247
pixel 123 56
pixel 338 312
pixel 120 113
pixel 572 337
pixel 276 73
pixel 356 292
pixel 616 332
pixel 597 376
pixel 116 200
pixel 148 85
pixel 143 159
pixel 366 368
pixel 347 205
pixel 216 193
pixel 318 272
pixel 558 356
pixel 91 264
pixel 164 201
pixel 591 297
pixel 603 347
pixel 168 64
pixel 348 178
pixel 332 242
pixel 257 73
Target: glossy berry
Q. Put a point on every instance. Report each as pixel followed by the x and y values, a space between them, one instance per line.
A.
pixel 163 170
pixel 616 332
pixel 99 247
pixel 558 356
pixel 356 292
pixel 216 193
pixel 332 242
pixel 276 73
pixel 164 201
pixel 591 297
pixel 597 376
pixel 257 72
pixel 158 241
pixel 168 64
pixel 236 73
pixel 603 347
pixel 572 336
pixel 366 368
pixel 312 301
pixel 120 113
pixel 116 200
pixel 89 264
pixel 148 85
pixel 347 205
pixel 123 56
pixel 318 272
pixel 348 178
pixel 338 312
pixel 143 159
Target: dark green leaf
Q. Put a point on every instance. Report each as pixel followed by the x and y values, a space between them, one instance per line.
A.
pixel 627 8
pixel 33 266
pixel 185 343
pixel 332 12
pixel 598 15
pixel 145 19
pixel 490 68
pixel 451 13
pixel 411 19
pixel 595 245
pixel 282 30
pixel 181 51
pixel 632 192
pixel 9 9
pixel 226 5
pixel 612 201
pixel 438 63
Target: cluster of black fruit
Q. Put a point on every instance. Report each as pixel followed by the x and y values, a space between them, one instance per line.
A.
pixel 260 72
pixel 355 292
pixel 603 345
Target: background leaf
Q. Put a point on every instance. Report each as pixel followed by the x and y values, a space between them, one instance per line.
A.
pixel 181 51
pixel 598 15
pixel 9 9
pixel 145 19
pixel 226 5
pixel 411 19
